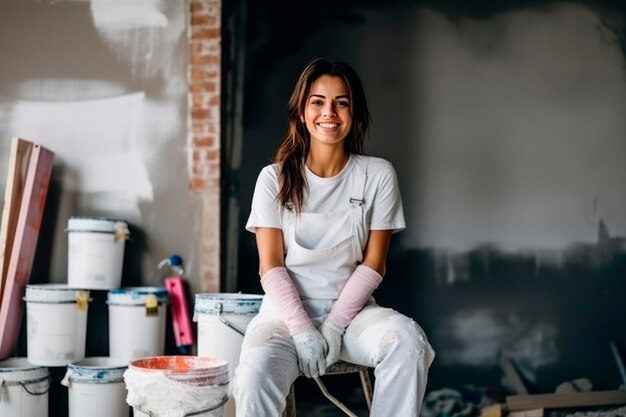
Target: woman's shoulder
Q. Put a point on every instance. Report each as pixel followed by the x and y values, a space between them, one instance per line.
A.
pixel 269 171
pixel 375 165
pixel 268 179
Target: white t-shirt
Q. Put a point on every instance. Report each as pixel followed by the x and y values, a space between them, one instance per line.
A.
pixel 382 200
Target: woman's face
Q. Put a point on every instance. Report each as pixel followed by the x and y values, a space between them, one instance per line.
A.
pixel 327 112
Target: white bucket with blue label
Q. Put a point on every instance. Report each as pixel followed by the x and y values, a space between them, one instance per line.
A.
pixel 56 324
pixel 137 318
pixel 95 252
pixel 24 389
pixel 222 321
pixel 96 388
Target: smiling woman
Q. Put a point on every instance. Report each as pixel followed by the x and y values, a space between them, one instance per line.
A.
pixel 323 215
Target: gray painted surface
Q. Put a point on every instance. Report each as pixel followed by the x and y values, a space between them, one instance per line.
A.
pixel 103 85
pixel 506 127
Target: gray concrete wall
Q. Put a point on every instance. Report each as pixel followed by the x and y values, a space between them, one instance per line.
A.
pixel 507 129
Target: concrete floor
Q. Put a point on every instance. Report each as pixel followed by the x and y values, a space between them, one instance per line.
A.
pixel 310 402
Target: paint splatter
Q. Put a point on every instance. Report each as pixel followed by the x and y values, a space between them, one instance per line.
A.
pixel 478 337
pixel 143 33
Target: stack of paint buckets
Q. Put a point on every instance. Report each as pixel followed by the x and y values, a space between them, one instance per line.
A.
pixel 56 319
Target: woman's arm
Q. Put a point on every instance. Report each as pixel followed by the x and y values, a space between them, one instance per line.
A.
pixel 375 253
pixel 279 288
pixel 360 286
pixel 269 242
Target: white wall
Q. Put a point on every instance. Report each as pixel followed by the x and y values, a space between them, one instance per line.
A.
pixel 103 85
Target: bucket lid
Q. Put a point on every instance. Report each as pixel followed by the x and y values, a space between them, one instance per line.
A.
pixel 97 369
pixel 96 224
pixel 192 370
pixel 19 369
pixel 137 296
pixel 236 303
pixel 54 293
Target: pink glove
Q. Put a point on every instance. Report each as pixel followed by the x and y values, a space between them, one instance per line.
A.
pixel 284 296
pixel 362 283
pixel 309 343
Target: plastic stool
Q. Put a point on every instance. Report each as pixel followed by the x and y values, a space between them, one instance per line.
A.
pixel 338 368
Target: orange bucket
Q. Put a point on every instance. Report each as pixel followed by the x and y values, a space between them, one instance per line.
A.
pixel 175 383
pixel 193 370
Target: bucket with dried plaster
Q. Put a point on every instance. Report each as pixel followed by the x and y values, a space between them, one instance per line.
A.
pixel 56 324
pixel 177 386
pixel 222 321
pixel 96 387
pixel 137 317
pixel 95 252
pixel 23 389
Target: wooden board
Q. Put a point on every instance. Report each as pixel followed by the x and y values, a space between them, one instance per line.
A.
pixel 565 400
pixel 512 375
pixel 537 412
pixel 19 158
pixel 24 245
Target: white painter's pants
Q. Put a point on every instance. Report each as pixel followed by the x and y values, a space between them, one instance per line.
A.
pixel 378 337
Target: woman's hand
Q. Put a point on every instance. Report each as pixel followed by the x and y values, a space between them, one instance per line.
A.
pixel 311 348
pixel 333 335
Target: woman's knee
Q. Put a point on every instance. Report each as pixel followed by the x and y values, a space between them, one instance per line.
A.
pixel 267 365
pixel 408 342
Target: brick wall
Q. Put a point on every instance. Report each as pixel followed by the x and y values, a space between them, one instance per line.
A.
pixel 204 131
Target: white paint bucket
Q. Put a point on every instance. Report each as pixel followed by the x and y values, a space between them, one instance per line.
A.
pixel 222 320
pixel 95 252
pixel 56 324
pixel 24 389
pixel 96 388
pixel 137 322
pixel 177 386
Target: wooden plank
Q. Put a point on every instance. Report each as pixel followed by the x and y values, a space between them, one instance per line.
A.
pixel 513 376
pixel 19 157
pixel 24 246
pixel 566 400
pixel 537 412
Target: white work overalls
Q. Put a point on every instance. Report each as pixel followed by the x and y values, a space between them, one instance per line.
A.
pixel 378 337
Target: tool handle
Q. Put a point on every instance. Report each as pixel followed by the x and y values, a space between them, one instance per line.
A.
pixel 183 331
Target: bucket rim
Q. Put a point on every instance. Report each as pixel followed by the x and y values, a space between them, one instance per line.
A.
pixel 136 296
pixel 23 372
pixel 97 218
pixel 98 225
pixel 139 290
pixel 139 364
pixel 190 370
pixel 50 286
pixel 54 293
pixel 228 303
pixel 22 363
pixel 228 295
pixel 114 363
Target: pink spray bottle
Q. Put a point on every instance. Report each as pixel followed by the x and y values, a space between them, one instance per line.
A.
pixel 181 321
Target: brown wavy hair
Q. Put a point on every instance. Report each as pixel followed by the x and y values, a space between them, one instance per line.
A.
pixel 292 152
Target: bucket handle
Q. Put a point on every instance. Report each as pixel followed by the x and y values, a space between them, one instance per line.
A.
pixel 35 393
pixel 193 413
pixel 219 308
pixel 3 384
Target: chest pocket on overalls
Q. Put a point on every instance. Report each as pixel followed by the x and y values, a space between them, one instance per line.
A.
pixel 319 231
